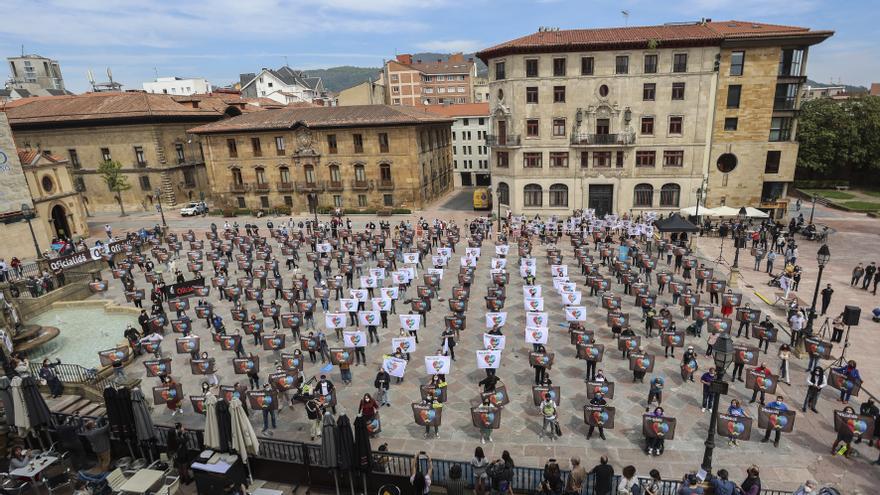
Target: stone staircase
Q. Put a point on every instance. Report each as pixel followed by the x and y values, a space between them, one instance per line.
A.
pixel 70 404
pixel 168 196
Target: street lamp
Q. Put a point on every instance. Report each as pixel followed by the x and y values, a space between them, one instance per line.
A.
pixel 723 358
pixel 313 204
pixel 738 235
pixel 498 193
pixel 822 257
pixel 158 194
pixel 28 213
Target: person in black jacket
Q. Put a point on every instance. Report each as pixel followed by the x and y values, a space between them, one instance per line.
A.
pixel 381 383
pixel 179 452
pixel 603 475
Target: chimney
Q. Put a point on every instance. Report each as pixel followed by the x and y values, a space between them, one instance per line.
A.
pixel 404 58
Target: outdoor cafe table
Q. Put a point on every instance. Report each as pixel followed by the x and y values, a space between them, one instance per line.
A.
pixel 142 481
pixel 34 468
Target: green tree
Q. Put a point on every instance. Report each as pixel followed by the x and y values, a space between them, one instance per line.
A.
pixel 840 138
pixel 111 172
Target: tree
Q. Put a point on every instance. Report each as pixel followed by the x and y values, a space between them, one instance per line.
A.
pixel 111 172
pixel 840 138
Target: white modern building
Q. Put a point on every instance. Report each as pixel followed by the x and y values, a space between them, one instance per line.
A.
pixel 470 152
pixel 178 86
pixel 284 85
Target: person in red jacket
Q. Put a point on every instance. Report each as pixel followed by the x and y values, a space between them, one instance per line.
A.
pixel 763 371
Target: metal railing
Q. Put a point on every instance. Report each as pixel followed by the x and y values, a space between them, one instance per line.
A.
pixel 76 374
pixel 334 185
pixel 385 185
pixel 238 187
pixel 359 185
pixel 503 140
pixel 590 139
pixel 285 186
pixel 308 186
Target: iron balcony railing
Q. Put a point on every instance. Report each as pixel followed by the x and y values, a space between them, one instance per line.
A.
pixel 592 139
pixel 503 140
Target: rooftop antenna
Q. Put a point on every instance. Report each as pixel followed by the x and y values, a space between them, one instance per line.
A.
pixel 110 75
pixel 156 71
pixel 625 17
pixel 91 79
pixel 22 49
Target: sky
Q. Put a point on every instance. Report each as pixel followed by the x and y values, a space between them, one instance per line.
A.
pixel 218 39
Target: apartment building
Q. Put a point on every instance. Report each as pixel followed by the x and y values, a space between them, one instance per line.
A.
pixel 178 85
pixel 351 157
pixel 145 133
pixel 470 153
pixel 34 72
pixel 642 118
pixel 411 82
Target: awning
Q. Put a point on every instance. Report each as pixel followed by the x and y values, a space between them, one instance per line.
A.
pixel 675 224
pixel 725 211
pixel 756 213
pixel 692 211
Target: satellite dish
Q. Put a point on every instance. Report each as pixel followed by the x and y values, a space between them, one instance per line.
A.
pixel 91 77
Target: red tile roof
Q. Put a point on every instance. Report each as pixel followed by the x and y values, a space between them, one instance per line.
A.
pixel 29 156
pixel 100 106
pixel 318 117
pixel 668 35
pixel 461 109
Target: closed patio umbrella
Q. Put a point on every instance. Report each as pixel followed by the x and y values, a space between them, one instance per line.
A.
pixel 328 441
pixel 38 411
pixel 143 423
pixel 244 439
pixel 224 425
pixel 344 442
pixel 212 429
pixel 6 399
pixel 22 420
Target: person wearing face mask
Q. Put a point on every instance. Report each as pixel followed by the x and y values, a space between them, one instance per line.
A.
pixel 807 488
pixel 486 433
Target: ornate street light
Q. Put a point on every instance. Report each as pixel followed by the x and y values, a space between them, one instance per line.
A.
pixel 723 359
pixel 28 213
pixel 822 258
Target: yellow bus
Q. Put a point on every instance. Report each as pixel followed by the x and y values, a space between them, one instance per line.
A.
pixel 482 199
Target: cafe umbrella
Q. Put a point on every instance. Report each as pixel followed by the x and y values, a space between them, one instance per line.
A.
pixel 143 423
pixel 328 447
pixel 244 439
pixel 345 446
pixel 212 429
pixel 224 425
pixel 363 451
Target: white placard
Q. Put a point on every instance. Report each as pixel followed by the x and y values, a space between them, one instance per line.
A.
pixel 403 344
pixel 473 252
pixel 533 304
pixel 575 313
pixel 569 298
pixel 468 261
pixel 488 359
pixel 537 319
pixel 535 335
pixel 377 273
pixel 437 365
pixel 493 342
pixel 369 318
pixel 348 305
pixel 494 319
pixel 435 271
pixel 531 291
pixel 390 292
pixel 559 270
pixel 498 263
pixel 394 366
pixel 410 322
pixel 502 250
pixel 381 304
pixel 354 339
pixel 360 294
pixel 411 258
pixel 334 320
pixel 369 281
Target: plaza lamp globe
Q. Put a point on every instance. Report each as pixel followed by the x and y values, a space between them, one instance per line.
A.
pixel 824 255
pixel 723 353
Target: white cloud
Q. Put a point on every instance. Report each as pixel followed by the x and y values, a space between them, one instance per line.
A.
pixel 450 46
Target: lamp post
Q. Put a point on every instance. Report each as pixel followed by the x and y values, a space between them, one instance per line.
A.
pixel 822 257
pixel 28 213
pixel 498 193
pixel 313 203
pixel 738 235
pixel 813 209
pixel 158 194
pixel 723 358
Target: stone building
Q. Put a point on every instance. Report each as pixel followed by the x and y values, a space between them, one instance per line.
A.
pixel 352 157
pixel 146 133
pixel 365 93
pixel 631 119
pixel 417 83
pixel 470 153
pixel 59 206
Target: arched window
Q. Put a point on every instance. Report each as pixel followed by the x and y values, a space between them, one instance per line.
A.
pixel 284 174
pixel 643 195
pixel 236 176
pixel 503 193
pixel 669 195
pixel 532 195
pixel 335 176
pixel 309 171
pixel 261 175
pixel 360 174
pixel 559 195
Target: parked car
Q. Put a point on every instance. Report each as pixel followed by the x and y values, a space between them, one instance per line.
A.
pixel 193 208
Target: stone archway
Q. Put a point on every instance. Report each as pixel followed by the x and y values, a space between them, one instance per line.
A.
pixel 58 214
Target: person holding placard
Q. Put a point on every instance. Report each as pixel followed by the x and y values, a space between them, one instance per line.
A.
pixel 761 371
pixel 382 383
pixel 434 404
pixel 486 433
pixel 548 410
pixel 735 409
pixel 540 371
pixel 597 400
pixel 779 405
pixel 655 444
pixel 851 372
pixel 844 435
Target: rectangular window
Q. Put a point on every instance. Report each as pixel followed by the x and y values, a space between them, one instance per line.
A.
pixel 331 144
pixel 586 66
pixel 558 127
pixel 264 201
pixel 771 166
pixel 618 156
pixel 532 128
pixel 585 159
pixel 499 71
pixel 645 158
pixel 139 156
pixel 532 196
pixel 279 145
pixel 383 142
pixel 786 96
pixel 362 200
pixel 241 203
pixel 649 91
pixel 558 196
pixel 358 141
pixel 601 159
pixel 780 129
pixel 678 91
pixel 621 64
pixel 255 146
pixel 145 183
pixel 74 158
pixel 680 62
pixel 288 201
pixel 730 123
pixel 559 159
pixel 388 199
pixel 532 160
pixel 337 200
pixel 481 121
pixel 734 91
pixel 737 63
pixel 650 64
pixel 558 67
pixel 790 62
pixel 648 125
pixel 603 126
pixel 502 159
pixel 675 124
pixel 558 94
pixel 673 158
pixel 532 94
pixel 233 149
pixel 532 67
pixel 105 154
pixel 181 156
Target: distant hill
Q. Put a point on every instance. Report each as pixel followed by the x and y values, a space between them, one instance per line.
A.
pixel 849 89
pixel 339 78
